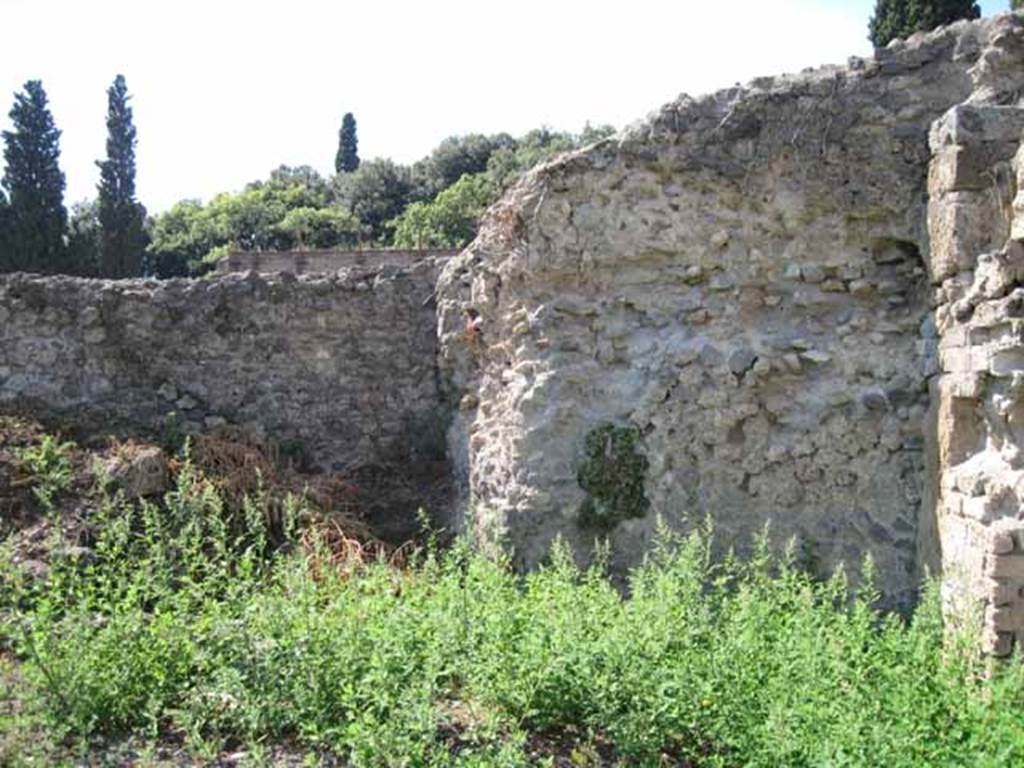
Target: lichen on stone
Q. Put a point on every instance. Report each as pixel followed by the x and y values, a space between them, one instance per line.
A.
pixel 612 473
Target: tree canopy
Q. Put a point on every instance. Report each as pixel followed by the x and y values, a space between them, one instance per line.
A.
pixel 376 193
pixel 455 157
pixel 434 203
pixel 5 229
pixel 448 221
pixel 292 209
pixel 319 227
pixel 902 18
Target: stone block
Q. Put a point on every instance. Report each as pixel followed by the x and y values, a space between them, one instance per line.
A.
pixel 1007 618
pixel 962 225
pixel 977 123
pixel 1000 644
pixel 959 168
pixel 1010 567
pixel 1002 543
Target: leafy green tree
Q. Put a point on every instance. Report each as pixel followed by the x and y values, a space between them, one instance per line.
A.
pixel 297 186
pixel 122 217
pixel 1016 5
pixel 320 227
pixel 347 159
pixel 448 221
pixel 376 193
pixel 507 164
pixel 247 220
pixel 184 237
pixel 84 237
pixel 381 201
pixel 293 208
pixel 455 157
pixel 179 239
pixel 888 22
pixel 35 183
pixel 902 18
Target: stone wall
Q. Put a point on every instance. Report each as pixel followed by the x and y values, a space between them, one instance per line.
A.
pixel 327 261
pixel 976 218
pixel 798 304
pixel 732 296
pixel 341 367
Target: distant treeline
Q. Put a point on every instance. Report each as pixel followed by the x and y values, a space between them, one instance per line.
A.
pixel 435 202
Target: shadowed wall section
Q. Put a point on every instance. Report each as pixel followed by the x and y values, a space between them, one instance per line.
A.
pixel 342 367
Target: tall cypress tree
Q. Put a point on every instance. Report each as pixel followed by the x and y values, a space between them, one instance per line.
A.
pixel 36 214
pixel 347 159
pixel 902 18
pixel 122 233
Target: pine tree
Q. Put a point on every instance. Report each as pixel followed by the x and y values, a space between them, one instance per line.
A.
pixel 33 179
pixel 902 18
pixel 121 217
pixel 347 159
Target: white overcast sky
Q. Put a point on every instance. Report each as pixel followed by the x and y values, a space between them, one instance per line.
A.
pixel 224 91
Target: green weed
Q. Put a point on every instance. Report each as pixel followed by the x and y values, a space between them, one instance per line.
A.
pixel 198 620
pixel 48 468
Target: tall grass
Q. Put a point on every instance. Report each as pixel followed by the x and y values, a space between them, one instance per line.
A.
pixel 201 621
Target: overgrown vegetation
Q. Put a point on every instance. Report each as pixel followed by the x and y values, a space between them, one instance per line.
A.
pixel 211 624
pixel 612 473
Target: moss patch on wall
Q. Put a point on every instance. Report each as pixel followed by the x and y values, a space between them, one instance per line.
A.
pixel 612 474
